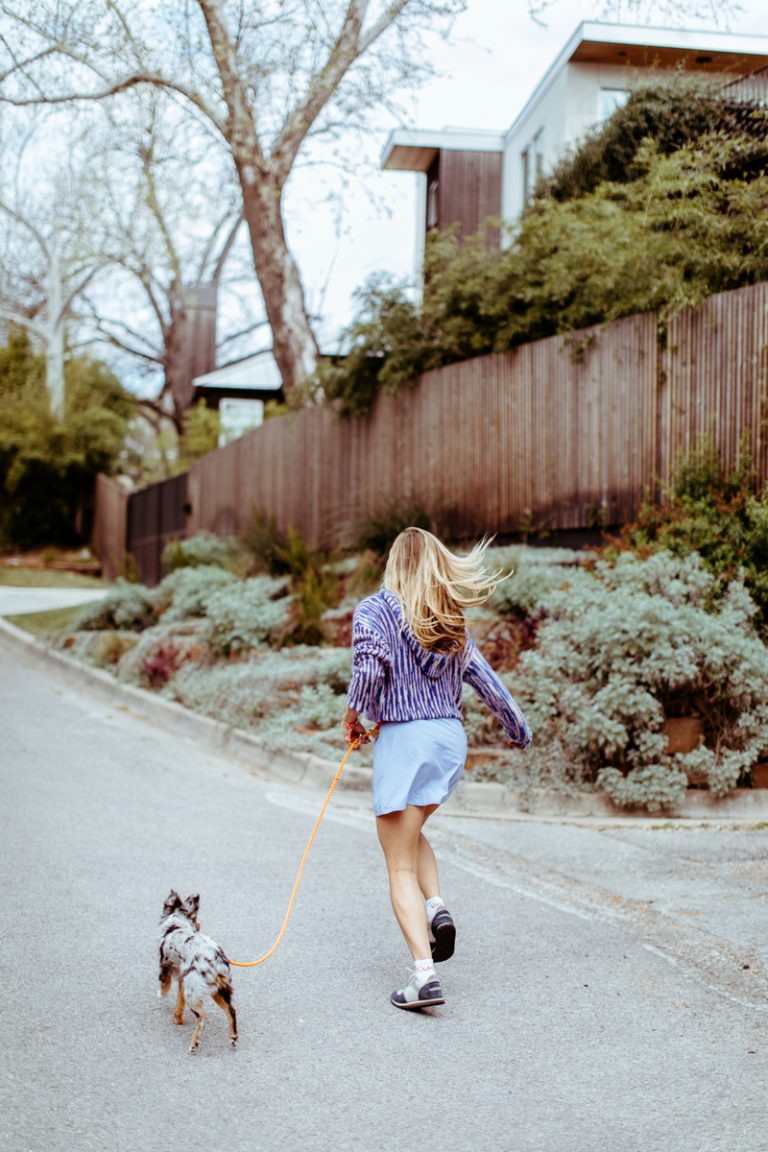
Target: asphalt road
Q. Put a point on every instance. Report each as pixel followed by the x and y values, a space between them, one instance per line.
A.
pixel 608 992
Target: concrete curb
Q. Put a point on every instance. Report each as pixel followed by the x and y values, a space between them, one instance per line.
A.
pixel 471 798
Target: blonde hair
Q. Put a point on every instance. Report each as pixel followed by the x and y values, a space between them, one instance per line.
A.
pixel 434 586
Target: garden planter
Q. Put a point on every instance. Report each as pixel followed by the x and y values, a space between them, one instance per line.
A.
pixel 759 774
pixel 685 734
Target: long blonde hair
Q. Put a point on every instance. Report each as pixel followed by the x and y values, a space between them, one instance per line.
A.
pixel 434 586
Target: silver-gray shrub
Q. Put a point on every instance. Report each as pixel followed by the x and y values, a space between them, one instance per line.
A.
pixel 245 614
pixel 627 645
pixel 186 639
pixel 128 607
pixel 186 592
pixel 204 548
pixel 295 687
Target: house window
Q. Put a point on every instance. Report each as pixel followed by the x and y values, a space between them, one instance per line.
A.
pixel 610 100
pixel 538 155
pixel 526 172
pixel 432 190
pixel 532 165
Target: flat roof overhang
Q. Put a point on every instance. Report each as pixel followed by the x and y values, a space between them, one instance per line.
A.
pixel 414 150
pixel 663 56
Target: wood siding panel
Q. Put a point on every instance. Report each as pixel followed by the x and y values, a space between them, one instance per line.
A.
pixel 469 191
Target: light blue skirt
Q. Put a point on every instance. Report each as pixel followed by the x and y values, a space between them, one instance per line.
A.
pixel 417 762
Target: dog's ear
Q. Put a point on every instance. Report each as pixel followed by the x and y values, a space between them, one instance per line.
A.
pixel 172 903
pixel 192 906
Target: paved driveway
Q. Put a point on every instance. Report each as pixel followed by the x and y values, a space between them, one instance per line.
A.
pixel 573 1023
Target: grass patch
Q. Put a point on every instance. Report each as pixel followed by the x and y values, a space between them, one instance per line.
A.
pixel 12 577
pixel 46 623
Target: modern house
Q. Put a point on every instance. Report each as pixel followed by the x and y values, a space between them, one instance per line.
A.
pixel 468 175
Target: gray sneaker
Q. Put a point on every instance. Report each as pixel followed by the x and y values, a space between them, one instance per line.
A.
pixel 429 995
pixel 443 930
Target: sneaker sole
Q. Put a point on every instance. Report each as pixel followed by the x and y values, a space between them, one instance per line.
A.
pixel 410 1005
pixel 445 943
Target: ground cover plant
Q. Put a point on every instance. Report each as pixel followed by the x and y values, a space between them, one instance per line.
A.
pixel 604 651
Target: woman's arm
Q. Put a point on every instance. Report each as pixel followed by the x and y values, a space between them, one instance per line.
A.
pixel 479 675
pixel 371 657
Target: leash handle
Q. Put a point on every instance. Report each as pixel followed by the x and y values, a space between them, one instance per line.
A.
pixel 254 963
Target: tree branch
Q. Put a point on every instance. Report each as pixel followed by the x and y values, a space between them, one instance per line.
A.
pixel 154 80
pixel 346 49
pixel 24 322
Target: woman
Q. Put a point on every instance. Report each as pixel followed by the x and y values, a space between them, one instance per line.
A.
pixel 411 655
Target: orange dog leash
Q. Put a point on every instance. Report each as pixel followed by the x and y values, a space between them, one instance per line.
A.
pixel 253 963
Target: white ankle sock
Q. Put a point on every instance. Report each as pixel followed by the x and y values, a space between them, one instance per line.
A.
pixel 434 904
pixel 424 971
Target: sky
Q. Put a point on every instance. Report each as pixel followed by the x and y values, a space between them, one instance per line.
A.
pixel 495 57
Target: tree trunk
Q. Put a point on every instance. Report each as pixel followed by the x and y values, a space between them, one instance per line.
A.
pixel 293 341
pixel 54 344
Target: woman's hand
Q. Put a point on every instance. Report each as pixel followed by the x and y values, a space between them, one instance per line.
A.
pixel 353 729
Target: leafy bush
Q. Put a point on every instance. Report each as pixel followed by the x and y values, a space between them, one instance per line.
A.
pixel 627 646
pixel 313 582
pixel 244 614
pixel 204 549
pixel 720 514
pixel 186 592
pixel 48 465
pixel 126 607
pixel 673 115
pixel 378 531
pixel 691 220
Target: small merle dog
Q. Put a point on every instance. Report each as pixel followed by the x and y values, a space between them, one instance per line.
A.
pixel 201 966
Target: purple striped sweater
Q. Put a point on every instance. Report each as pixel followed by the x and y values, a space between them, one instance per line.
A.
pixel 395 679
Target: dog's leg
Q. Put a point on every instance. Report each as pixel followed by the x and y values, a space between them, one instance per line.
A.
pixel 166 979
pixel 178 1012
pixel 199 1015
pixel 224 1000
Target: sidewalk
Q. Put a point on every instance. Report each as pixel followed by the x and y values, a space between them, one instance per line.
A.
pixel 17 601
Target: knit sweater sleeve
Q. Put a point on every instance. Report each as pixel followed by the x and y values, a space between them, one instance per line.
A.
pixel 479 675
pixel 371 658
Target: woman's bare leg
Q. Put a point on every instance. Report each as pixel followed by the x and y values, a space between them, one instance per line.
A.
pixel 400 837
pixel 426 866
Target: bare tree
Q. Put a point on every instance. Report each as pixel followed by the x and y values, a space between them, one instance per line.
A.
pixel 48 260
pixel 167 214
pixel 266 75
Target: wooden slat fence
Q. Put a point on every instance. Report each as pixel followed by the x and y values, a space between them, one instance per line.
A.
pixel 564 433
pixel 551 433
pixel 714 378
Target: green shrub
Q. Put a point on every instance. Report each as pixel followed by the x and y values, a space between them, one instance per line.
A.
pixel 203 549
pixel 378 531
pixel 127 607
pixel 267 544
pixel 185 594
pixel 718 513
pixel 627 646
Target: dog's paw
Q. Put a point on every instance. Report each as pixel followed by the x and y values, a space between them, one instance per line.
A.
pixel 178 1019
pixel 233 1043
pixel 193 1048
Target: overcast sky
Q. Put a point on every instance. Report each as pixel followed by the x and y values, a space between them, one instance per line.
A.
pixel 490 66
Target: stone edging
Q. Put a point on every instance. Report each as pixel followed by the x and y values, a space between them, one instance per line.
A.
pixel 471 797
